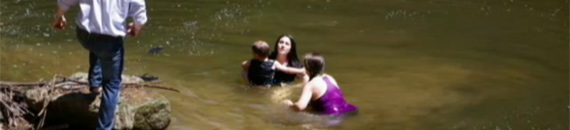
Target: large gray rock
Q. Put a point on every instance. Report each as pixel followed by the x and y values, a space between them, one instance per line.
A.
pixel 138 109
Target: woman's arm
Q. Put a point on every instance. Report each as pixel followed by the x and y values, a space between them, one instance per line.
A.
pixel 289 70
pixel 303 101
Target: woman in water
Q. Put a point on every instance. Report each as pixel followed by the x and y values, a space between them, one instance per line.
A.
pixel 322 93
pixel 285 52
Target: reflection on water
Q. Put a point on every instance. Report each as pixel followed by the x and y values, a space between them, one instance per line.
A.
pixel 280 114
pixel 407 64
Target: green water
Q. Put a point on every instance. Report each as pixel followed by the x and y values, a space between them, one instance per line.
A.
pixel 407 64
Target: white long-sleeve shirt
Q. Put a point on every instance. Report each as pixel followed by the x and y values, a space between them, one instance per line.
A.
pixel 107 17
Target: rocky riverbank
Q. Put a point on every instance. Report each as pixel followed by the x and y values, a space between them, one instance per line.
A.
pixel 66 104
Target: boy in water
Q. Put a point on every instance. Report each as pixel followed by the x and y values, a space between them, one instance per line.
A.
pixel 259 71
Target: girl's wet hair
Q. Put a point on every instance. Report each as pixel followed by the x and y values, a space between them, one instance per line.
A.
pixel 292 56
pixel 314 64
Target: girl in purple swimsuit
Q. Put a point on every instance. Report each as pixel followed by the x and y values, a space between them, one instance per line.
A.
pixel 322 93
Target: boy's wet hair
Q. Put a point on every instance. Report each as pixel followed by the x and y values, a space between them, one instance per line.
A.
pixel 260 48
pixel 314 64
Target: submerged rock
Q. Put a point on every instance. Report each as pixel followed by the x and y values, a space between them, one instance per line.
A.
pixel 138 108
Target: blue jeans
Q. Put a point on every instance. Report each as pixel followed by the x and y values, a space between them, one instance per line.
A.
pixel 105 69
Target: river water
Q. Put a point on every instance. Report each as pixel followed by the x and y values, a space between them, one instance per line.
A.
pixel 407 64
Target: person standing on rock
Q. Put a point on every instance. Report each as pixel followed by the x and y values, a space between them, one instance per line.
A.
pixel 101 28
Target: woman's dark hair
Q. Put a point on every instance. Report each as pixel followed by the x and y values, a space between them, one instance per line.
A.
pixel 314 64
pixel 292 56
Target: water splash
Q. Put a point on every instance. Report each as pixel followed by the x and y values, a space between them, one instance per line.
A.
pixel 401 14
